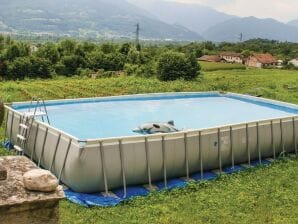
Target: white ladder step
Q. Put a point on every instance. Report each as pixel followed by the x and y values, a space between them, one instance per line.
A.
pixel 18 148
pixel 21 137
pixel 36 114
pixel 24 126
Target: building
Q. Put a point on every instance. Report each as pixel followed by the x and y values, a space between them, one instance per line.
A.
pixel 232 57
pixel 294 62
pixel 211 58
pixel 261 61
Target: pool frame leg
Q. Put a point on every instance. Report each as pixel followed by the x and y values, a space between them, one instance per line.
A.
pixel 201 155
pixel 232 148
pixel 148 163
pixel 294 136
pixel 55 151
pixel 43 146
pixel 103 167
pixel 122 167
pixel 219 150
pixel 247 144
pixel 282 138
pixel 64 161
pixel 186 156
pixel 258 143
pixel 164 161
pixel 272 139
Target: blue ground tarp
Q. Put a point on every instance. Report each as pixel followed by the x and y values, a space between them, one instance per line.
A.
pixel 117 196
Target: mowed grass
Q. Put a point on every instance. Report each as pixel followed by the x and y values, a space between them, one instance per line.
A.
pixel 214 66
pixel 261 195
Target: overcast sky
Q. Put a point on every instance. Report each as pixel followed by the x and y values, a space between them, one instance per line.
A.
pixel 283 10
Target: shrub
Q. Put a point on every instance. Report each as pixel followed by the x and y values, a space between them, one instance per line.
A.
pixel 40 68
pixel 172 66
pixel 19 68
pixel 31 67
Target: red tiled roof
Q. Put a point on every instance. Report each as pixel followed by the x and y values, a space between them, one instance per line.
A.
pixel 231 54
pixel 210 58
pixel 265 58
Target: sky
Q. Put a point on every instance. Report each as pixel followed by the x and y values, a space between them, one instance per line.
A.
pixel 282 10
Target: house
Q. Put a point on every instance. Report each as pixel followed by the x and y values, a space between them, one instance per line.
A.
pixel 232 57
pixel 211 58
pixel 294 62
pixel 33 49
pixel 261 61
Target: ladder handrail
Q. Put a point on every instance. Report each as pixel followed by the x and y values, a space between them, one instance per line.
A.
pixel 28 120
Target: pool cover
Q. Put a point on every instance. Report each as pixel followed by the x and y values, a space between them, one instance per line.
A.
pixel 117 196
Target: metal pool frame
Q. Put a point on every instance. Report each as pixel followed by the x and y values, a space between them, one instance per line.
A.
pixel 102 164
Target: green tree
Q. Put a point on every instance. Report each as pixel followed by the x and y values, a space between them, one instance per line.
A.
pixel 49 51
pixel 19 68
pixel 40 68
pixel 172 65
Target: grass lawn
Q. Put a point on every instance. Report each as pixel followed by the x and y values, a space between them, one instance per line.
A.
pixel 214 66
pixel 261 195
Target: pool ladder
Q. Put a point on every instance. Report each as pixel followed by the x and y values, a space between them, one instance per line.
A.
pixel 26 122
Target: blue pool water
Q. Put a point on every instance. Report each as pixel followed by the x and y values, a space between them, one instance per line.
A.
pixel 112 118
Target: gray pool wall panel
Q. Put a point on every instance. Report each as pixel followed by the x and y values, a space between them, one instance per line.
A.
pixel 87 167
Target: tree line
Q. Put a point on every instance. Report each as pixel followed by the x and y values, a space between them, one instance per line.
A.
pixel 19 60
pixel 68 57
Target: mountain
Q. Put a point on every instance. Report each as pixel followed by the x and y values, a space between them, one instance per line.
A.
pixel 251 28
pixel 293 23
pixel 195 17
pixel 88 18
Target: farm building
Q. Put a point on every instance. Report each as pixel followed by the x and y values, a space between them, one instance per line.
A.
pixel 261 61
pixel 232 57
pixel 294 62
pixel 211 58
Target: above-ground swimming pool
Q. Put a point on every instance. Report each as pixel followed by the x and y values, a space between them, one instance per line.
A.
pixel 86 148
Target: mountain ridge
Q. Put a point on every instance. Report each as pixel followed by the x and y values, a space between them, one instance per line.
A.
pixel 101 18
pixel 251 28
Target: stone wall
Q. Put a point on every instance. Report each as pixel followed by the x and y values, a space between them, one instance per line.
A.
pixel 17 204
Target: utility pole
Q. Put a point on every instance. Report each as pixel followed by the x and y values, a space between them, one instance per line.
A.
pixel 138 46
pixel 241 37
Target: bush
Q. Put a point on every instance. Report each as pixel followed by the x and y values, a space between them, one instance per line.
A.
pixel 19 68
pixel 31 67
pixel 172 66
pixel 40 68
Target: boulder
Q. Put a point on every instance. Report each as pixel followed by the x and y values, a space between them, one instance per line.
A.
pixel 40 180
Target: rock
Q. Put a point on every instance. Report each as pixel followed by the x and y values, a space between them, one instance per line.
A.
pixel 40 180
pixel 3 172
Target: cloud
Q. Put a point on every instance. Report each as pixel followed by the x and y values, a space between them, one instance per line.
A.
pixel 283 10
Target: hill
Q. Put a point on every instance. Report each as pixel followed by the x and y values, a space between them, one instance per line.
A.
pixel 293 23
pixel 251 28
pixel 101 19
pixel 195 17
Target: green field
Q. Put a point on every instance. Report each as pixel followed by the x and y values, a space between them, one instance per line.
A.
pixel 214 66
pixel 261 195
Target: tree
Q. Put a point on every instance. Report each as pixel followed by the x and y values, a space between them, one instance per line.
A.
pixel 172 65
pixel 49 51
pixel 40 68
pixel 69 65
pixel 192 68
pixel 19 68
pixel 67 47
